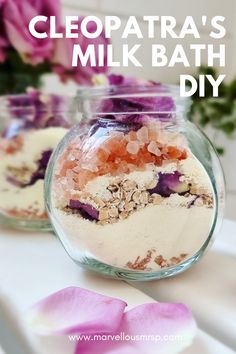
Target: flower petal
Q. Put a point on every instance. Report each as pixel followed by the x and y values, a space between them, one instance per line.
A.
pixel 76 310
pixel 137 100
pixel 161 328
pixel 86 210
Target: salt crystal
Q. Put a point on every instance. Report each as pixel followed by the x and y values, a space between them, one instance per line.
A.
pixel 153 148
pixel 133 147
pixel 116 134
pixel 142 135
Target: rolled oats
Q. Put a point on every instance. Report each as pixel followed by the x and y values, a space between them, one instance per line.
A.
pixel 152 184
pixel 123 215
pixel 157 199
pixel 144 197
pixel 113 187
pixel 129 185
pixel 113 212
pixel 136 197
pixel 130 206
pixel 103 214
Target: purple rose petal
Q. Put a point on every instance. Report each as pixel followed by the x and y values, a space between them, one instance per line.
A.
pixel 116 79
pixel 57 121
pixel 128 108
pixel 35 111
pixel 43 162
pixel 86 210
pixel 169 183
pixel 37 175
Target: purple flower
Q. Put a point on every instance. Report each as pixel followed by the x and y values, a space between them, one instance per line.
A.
pixel 82 312
pixel 37 175
pixel 17 15
pixel 86 210
pixel 35 111
pixel 142 99
pixel 41 169
pixel 63 56
pixel 169 183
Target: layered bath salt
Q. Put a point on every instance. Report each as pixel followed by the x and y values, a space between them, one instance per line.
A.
pixel 133 197
pixel 23 161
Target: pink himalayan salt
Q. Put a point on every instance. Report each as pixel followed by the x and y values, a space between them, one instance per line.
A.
pixel 131 136
pixel 133 147
pixel 142 135
pixel 115 154
pixel 117 135
pixel 153 130
pixel 153 148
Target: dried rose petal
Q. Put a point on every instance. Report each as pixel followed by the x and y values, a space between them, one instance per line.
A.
pixel 130 108
pixel 37 175
pixel 34 110
pixel 150 328
pixel 76 310
pixel 168 327
pixel 169 183
pixel 86 210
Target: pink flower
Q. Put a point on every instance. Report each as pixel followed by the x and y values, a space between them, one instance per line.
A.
pixel 3 39
pixel 17 15
pixel 163 328
pixel 63 56
pixel 76 310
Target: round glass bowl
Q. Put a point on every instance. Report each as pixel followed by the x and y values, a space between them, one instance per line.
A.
pixel 134 191
pixel 31 125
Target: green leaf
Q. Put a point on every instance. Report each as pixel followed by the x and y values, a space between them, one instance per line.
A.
pixel 16 76
pixel 220 113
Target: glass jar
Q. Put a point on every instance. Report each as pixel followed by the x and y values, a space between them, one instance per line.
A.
pixel 31 126
pixel 135 191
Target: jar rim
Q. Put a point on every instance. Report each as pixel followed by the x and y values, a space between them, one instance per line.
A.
pixel 159 89
pixel 142 99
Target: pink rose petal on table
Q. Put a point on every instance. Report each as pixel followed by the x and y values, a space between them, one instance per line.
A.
pixel 170 328
pixel 76 310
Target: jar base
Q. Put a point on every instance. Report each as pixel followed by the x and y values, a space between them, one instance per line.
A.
pixel 108 271
pixel 25 225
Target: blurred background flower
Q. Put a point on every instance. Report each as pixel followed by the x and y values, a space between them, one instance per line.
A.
pixel 63 54
pixel 16 17
pixel 3 39
pixel 25 59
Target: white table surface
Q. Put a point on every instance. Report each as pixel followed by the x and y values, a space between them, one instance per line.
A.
pixel 34 265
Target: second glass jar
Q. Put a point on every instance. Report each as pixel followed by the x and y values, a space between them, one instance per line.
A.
pixel 31 126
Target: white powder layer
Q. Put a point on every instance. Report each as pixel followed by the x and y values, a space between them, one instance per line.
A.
pixel 171 231
pixel 193 171
pixel 35 142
